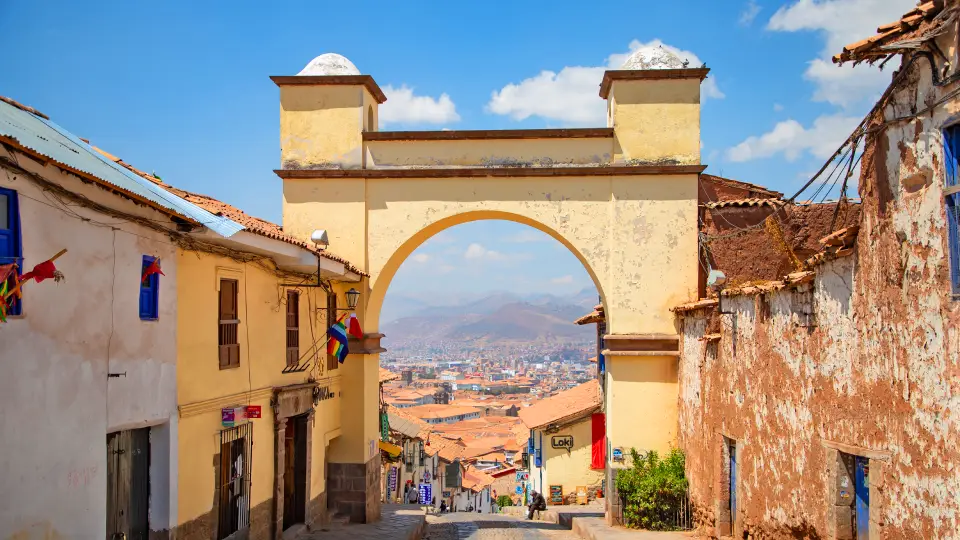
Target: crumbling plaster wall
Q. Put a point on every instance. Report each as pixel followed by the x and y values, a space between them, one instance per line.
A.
pixel 878 370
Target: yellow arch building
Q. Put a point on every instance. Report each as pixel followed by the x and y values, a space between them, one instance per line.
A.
pixel 622 198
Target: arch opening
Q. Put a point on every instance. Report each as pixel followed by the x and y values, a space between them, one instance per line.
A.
pixel 382 280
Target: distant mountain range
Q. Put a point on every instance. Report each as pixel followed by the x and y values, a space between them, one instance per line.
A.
pixel 498 317
pixel 399 306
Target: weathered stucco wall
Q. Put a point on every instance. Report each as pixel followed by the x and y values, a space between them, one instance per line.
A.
pixel 656 121
pixel 874 371
pixel 569 469
pixel 58 400
pixel 204 388
pixel 490 152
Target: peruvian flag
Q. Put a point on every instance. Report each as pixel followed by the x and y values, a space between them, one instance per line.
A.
pixel 353 327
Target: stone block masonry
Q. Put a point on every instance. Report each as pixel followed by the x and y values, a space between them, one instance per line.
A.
pixel 354 490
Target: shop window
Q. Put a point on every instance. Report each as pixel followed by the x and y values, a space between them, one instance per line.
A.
pixel 149 290
pixel 11 250
pixel 951 144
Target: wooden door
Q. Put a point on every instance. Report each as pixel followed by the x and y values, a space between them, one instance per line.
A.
pixel 128 485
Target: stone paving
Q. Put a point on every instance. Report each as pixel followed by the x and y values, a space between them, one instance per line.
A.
pixel 471 526
pixel 398 522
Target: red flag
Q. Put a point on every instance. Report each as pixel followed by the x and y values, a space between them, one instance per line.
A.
pixel 154 268
pixel 354 327
pixel 40 272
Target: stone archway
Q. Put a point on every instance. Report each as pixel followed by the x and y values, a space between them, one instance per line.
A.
pixel 623 199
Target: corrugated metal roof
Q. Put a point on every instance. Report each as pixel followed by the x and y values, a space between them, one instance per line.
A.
pixel 50 140
pixel 402 425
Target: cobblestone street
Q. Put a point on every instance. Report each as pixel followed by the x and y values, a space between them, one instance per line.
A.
pixel 470 526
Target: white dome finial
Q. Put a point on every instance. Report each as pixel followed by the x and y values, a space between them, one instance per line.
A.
pixel 330 64
pixel 654 58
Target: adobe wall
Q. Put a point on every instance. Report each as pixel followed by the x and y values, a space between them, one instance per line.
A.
pixel 872 372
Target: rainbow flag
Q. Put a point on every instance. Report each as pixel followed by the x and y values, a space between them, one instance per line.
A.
pixel 337 340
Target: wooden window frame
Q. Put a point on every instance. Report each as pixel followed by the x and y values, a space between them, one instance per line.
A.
pixel 293 328
pixel 332 362
pixel 12 234
pixel 951 202
pixel 149 293
pixel 228 330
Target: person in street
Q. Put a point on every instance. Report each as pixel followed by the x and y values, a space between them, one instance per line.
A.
pixel 536 503
pixel 412 495
pixel 443 507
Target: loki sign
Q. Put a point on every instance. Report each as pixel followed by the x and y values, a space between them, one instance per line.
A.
pixel 564 442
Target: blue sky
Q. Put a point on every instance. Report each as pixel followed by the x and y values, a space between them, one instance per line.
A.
pixel 181 88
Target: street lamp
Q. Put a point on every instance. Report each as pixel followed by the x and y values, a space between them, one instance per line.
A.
pixel 353 296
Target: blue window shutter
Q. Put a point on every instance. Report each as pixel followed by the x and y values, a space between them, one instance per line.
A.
pixel 11 248
pixel 149 292
pixel 951 146
pixel 953 238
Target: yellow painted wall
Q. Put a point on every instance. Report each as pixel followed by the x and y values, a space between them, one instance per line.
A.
pixel 571 469
pixel 636 235
pixel 322 128
pixel 490 152
pixel 203 388
pixel 641 402
pixel 657 120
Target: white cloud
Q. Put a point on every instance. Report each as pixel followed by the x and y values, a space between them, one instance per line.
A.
pixel 562 280
pixel 477 251
pixel 791 139
pixel 845 86
pixel 749 13
pixel 850 90
pixel 526 236
pixel 403 107
pixel 571 95
pixel 420 257
pixel 840 22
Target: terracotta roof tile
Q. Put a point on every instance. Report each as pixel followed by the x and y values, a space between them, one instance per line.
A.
pixel 564 406
pixel 747 202
pixel 918 24
pixel 251 224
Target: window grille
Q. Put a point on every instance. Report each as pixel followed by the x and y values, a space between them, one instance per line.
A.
pixel 235 467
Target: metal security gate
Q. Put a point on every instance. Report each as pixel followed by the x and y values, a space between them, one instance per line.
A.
pixel 234 497
pixel 128 485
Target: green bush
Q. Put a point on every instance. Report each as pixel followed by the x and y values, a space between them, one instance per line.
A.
pixel 652 490
pixel 504 500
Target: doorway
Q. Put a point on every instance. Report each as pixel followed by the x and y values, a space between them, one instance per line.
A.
pixel 128 484
pixel 295 471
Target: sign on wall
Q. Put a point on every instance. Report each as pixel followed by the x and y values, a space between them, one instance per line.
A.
pixel 426 494
pixel 523 476
pixel 230 416
pixel 564 442
pixel 426 476
pixel 393 479
pixel 254 411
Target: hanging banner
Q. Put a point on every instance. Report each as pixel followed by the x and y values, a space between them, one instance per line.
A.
pixel 393 479
pixel 384 427
pixel 426 494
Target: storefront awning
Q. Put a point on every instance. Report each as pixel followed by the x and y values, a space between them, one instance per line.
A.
pixel 390 448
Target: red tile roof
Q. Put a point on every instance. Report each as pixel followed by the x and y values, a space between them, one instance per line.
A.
pixel 251 224
pixel 563 407
pixel 914 27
